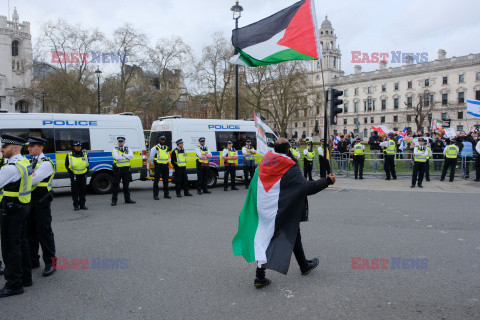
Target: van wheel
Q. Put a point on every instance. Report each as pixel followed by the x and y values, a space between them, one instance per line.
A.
pixel 212 179
pixel 102 183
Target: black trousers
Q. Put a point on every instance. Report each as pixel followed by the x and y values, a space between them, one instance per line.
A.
pixel 390 166
pixel 449 163
pixel 181 180
pixel 466 166
pixel 123 174
pixel 79 188
pixel 203 171
pixel 477 167
pixel 248 172
pixel 161 171
pixel 324 167
pixel 437 162
pixel 427 170
pixel 358 162
pixel 229 171
pixel 419 168
pixel 40 233
pixel 15 251
pixel 307 169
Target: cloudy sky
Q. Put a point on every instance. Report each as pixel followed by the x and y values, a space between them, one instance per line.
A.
pixel 366 26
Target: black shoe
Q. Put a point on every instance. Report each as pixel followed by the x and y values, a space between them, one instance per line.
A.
pixel 27 283
pixel 260 283
pixel 207 191
pixel 2 271
pixel 48 271
pixel 188 194
pixel 312 264
pixel 179 195
pixel 130 201
pixel 311 180
pixel 156 198
pixel 356 178
pixel 76 208
pixel 420 186
pixel 361 178
pixel 5 292
pixel 199 192
pixel 450 180
pixel 225 189
pixel 387 178
pixel 395 178
pixel 167 196
pixel 442 179
pixel 114 203
pixel 428 180
pixel 235 188
pixel 83 207
pixel 476 180
pixel 412 186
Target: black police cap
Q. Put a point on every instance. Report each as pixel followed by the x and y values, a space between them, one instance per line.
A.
pixel 11 139
pixel 77 143
pixel 121 139
pixel 248 140
pixel 202 139
pixel 179 141
pixel 162 138
pixel 229 141
pixel 37 140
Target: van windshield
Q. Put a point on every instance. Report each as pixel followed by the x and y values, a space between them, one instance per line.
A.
pixel 156 134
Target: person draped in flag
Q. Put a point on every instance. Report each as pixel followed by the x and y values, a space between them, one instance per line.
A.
pixel 276 203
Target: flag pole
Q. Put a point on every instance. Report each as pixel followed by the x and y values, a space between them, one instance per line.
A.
pixel 325 124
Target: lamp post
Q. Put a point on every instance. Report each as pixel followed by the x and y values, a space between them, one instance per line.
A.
pixel 237 13
pixel 43 101
pixel 98 72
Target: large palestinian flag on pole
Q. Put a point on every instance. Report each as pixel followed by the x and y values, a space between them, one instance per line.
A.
pixel 290 34
pixel 269 221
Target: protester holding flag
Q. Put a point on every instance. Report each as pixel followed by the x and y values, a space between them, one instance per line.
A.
pixel 276 203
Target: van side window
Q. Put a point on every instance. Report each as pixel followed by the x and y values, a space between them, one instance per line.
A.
pixel 64 138
pixel 25 133
pixel 239 139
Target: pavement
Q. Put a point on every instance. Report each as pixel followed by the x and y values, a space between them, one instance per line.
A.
pixel 179 262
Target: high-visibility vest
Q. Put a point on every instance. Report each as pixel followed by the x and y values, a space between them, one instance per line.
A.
pixel 310 155
pixel 161 156
pixel 47 182
pixel 422 158
pixel 295 152
pixel 78 165
pixel 181 160
pixel 429 152
pixel 124 162
pixel 452 151
pixel 390 147
pixel 248 156
pixel 232 154
pixel 21 190
pixel 358 150
pixel 203 152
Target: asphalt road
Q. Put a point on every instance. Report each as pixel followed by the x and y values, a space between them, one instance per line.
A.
pixel 180 263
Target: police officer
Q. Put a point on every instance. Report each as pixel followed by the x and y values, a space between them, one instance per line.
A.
pixel 390 147
pixel 477 158
pixel 324 160
pixel 427 144
pixel 450 153
pixel 294 150
pixel 248 152
pixel 77 166
pixel 420 155
pixel 179 162
pixel 159 156
pixel 230 159
pixel 15 196
pixel 121 170
pixel 203 166
pixel 358 158
pixel 308 158
pixel 39 226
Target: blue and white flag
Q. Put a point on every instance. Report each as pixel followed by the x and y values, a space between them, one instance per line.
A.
pixel 473 108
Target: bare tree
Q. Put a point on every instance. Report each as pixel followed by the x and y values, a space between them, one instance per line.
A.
pixel 422 108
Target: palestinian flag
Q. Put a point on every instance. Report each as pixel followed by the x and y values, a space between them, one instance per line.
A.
pixel 290 34
pixel 269 221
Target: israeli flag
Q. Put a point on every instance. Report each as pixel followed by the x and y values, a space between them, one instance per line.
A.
pixel 473 108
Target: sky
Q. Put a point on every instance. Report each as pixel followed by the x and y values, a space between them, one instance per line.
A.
pixel 368 26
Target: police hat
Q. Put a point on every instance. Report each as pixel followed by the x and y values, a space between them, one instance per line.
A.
pixel 322 140
pixel 179 141
pixel 77 143
pixel 248 140
pixel 358 140
pixel 292 141
pixel 391 135
pixel 162 138
pixel 421 139
pixel 309 143
pixel 10 139
pixel 37 140
pixel 229 142
pixel 202 139
pixel 121 139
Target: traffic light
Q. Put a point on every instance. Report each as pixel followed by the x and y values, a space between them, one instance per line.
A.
pixel 334 102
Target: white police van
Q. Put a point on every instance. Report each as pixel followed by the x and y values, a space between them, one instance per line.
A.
pixel 216 133
pixel 97 133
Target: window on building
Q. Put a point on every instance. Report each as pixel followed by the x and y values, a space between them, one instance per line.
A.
pixel 345 121
pixel 305 112
pixel 372 119
pixel 365 120
pixel 345 107
pixel 426 100
pixel 304 124
pixel 459 128
pixel 445 80
pixel 461 78
pixel 369 89
pixel 365 106
pixel 409 102
pixel 382 119
pixel 460 115
pixel 355 106
pixel 395 103
pixel 444 99
pixel 384 104
pixel 334 61
pixel 369 104
pixel 427 82
pixel 409 118
pixel 444 116
pixel 344 131
pixel 477 95
pixel 356 91
pixel 373 106
pixel 384 87
pixel 365 133
pixel 478 76
pixel 410 84
pixel 461 97
pixel 345 93
pixel 396 85
pixel 296 124
pixel 395 118
pixel 15 45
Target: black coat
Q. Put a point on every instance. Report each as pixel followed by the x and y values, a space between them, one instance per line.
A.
pixel 314 187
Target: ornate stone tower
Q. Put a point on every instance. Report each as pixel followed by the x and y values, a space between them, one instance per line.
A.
pixel 16 62
pixel 331 56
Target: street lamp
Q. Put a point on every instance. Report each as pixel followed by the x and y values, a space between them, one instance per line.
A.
pixel 43 101
pixel 98 72
pixel 237 13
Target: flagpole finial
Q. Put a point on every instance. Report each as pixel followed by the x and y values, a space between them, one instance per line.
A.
pixel 326 17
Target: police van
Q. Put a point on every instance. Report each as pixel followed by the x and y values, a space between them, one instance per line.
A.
pixel 98 135
pixel 216 133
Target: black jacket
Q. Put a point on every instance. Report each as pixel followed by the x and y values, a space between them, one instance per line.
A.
pixel 314 187
pixel 373 145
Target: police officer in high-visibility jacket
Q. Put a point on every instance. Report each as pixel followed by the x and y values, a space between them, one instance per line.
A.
pixel 203 166
pixel 428 147
pixel 122 156
pixel 39 231
pixel 77 166
pixel 15 196
pixel 230 159
pixel 420 156
pixel 160 156
pixel 179 162
pixel 1 165
pixel 358 158
pixel 294 150
pixel 248 152
pixel 390 147
pixel 450 152
pixel 324 161
pixel 308 158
